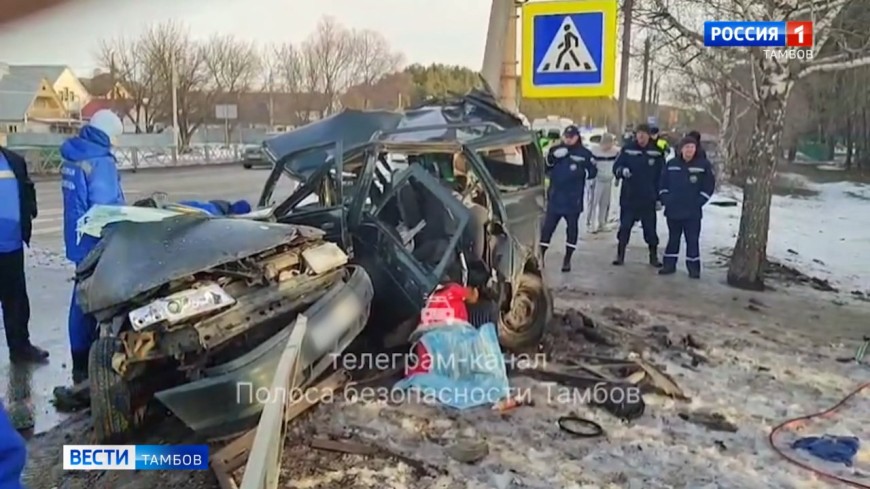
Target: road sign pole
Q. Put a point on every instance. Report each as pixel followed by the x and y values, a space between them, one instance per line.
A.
pixel 569 49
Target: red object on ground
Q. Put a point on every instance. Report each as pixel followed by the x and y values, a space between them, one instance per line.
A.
pixel 446 305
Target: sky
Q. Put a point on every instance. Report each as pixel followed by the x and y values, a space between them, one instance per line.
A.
pixel 443 31
pixel 453 33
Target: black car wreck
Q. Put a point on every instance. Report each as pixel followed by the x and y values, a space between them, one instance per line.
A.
pixel 451 191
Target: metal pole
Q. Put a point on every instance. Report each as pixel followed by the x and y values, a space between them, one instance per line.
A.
pixel 174 69
pixel 627 12
pixel 508 81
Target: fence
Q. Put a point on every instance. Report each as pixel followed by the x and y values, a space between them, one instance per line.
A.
pixel 134 151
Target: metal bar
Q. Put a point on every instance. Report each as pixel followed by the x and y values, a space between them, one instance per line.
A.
pixel 263 467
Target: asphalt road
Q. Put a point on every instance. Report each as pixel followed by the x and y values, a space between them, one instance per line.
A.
pixel 228 182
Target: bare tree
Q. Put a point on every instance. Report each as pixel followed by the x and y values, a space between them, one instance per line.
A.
pixel 232 67
pixel 372 59
pixel 170 48
pixel 297 77
pixel 772 79
pixel 329 55
pixel 128 61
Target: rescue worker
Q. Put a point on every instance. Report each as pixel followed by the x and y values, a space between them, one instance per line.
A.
pixel 639 166
pixel 13 453
pixel 660 142
pixel 687 182
pixel 605 154
pixel 89 177
pixel 569 165
pixel 17 211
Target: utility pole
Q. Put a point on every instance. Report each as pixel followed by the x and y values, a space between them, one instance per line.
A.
pixel 647 82
pixel 508 93
pixel 112 75
pixel 627 13
pixel 271 100
pixel 174 87
pixel 500 14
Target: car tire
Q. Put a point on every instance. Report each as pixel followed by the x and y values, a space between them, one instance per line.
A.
pixel 522 325
pixel 111 410
pixel 247 166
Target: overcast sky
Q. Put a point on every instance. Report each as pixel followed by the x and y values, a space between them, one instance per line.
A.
pixel 446 31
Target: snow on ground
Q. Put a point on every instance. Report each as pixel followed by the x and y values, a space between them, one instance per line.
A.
pixel 754 379
pixel 829 231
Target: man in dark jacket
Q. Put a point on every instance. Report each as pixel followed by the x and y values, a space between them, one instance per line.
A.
pixel 17 211
pixel 687 183
pixel 569 165
pixel 639 165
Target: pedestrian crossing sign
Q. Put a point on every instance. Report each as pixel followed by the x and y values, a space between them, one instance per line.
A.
pixel 569 49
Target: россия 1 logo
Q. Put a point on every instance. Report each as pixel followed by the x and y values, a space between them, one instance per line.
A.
pixel 728 33
pixel 794 40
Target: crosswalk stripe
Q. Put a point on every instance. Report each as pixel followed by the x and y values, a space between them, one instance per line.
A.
pixel 47 230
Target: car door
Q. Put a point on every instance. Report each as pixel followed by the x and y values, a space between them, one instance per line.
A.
pixel 518 192
pixel 318 201
pixel 413 270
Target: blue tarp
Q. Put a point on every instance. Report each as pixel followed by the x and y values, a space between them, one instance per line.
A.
pixel 467 367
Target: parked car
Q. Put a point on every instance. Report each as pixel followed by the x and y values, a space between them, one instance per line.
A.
pixel 206 306
pixel 475 222
pixel 252 156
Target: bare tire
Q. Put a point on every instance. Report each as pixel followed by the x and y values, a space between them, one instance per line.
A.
pixel 111 410
pixel 531 308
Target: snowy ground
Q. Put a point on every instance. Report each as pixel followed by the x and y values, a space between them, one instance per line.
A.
pixel 771 356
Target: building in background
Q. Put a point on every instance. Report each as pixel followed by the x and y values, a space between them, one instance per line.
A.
pixel 29 101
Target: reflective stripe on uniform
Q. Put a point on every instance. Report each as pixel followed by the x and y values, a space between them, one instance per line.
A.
pixel 705 195
pixel 7 175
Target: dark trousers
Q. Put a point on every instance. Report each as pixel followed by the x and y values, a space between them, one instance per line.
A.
pixel 647 218
pixel 14 300
pixel 691 230
pixel 551 220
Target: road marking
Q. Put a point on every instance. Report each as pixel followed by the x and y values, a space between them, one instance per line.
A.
pixel 47 230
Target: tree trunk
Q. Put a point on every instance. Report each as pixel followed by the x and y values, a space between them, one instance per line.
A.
pixel 746 270
pixel 725 139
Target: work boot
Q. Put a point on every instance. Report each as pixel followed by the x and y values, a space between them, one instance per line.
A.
pixel 566 264
pixel 654 257
pixel 667 271
pixel 28 354
pixel 620 255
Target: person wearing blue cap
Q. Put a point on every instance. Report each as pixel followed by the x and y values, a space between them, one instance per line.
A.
pixel 639 166
pixel 569 165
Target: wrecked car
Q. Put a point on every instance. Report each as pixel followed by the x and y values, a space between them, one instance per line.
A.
pixel 195 311
pixel 451 191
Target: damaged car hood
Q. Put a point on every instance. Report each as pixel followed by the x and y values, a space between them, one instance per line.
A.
pixel 135 257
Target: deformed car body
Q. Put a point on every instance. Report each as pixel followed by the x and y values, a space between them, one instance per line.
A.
pixel 464 206
pixel 191 308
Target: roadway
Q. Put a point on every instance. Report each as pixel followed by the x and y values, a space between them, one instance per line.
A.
pixel 228 182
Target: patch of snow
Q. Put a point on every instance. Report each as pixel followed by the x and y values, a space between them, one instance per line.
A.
pixel 830 231
pixel 43 258
pixel 754 381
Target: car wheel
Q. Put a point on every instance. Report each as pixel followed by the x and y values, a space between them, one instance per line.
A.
pixel 522 325
pixel 111 410
pixel 246 166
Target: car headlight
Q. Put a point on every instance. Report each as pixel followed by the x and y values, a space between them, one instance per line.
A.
pixel 180 306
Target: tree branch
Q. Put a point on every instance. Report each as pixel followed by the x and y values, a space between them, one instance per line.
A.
pixel 835 64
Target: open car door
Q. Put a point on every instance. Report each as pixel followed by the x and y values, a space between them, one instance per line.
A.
pixel 415 236
pixel 316 201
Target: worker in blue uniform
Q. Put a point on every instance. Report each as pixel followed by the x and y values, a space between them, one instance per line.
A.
pixel 219 207
pixel 639 166
pixel 17 211
pixel 89 177
pixel 13 453
pixel 569 165
pixel 687 182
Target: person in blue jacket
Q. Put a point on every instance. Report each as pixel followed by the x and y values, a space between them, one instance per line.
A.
pixel 219 207
pixel 13 453
pixel 687 182
pixel 569 165
pixel 639 166
pixel 89 177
